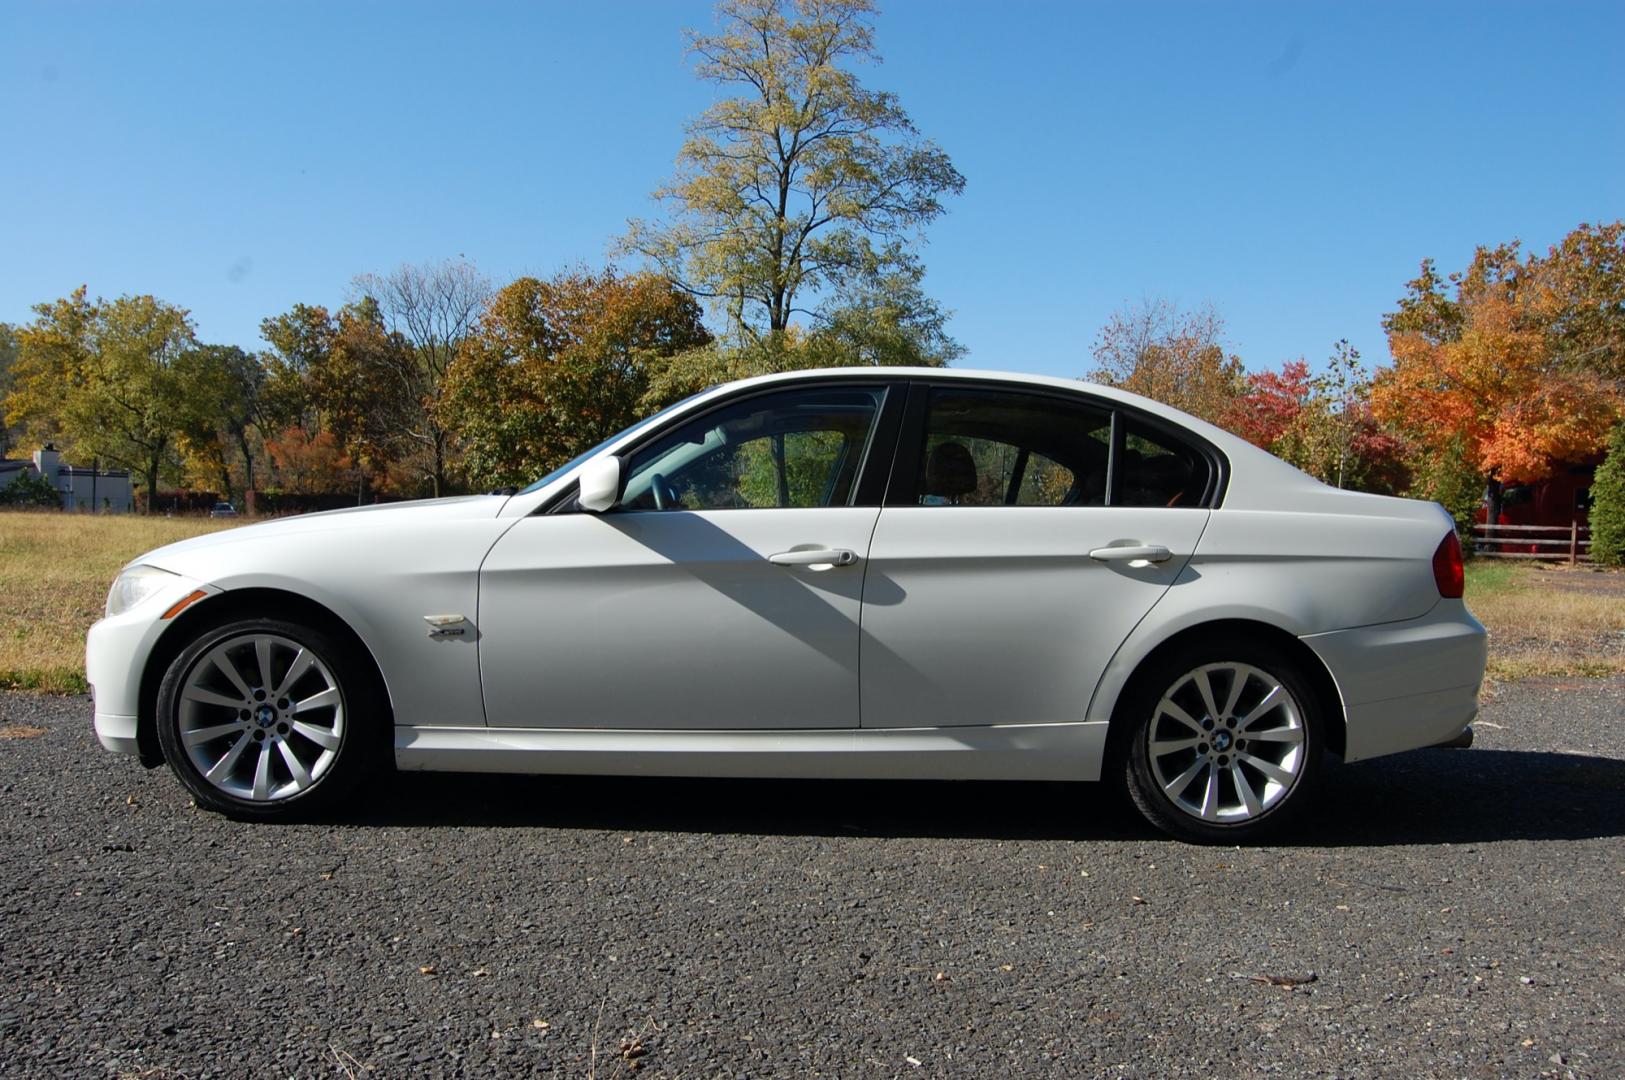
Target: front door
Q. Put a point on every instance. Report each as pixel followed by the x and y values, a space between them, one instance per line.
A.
pixel 723 594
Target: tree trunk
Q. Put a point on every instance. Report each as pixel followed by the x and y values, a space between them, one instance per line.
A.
pixel 1492 510
pixel 248 460
pixel 439 477
pixel 152 484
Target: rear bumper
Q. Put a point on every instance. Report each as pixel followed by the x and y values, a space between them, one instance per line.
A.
pixel 1409 684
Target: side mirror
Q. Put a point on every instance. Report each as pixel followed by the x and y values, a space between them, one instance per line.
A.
pixel 600 481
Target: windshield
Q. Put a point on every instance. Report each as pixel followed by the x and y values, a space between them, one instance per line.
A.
pixel 537 485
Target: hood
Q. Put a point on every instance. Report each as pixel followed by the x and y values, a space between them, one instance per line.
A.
pixel 355 519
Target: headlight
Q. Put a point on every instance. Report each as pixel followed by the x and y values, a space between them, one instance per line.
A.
pixel 135 585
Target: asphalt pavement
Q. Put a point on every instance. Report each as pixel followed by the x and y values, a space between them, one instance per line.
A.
pixel 1444 913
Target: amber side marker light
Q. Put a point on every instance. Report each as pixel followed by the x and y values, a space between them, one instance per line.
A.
pixel 183 603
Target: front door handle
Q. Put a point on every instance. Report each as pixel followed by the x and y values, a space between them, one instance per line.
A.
pixel 814 557
pixel 1132 553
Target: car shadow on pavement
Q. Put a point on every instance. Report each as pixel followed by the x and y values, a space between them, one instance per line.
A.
pixel 1423 797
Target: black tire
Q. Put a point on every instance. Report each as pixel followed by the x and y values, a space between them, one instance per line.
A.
pixel 1168 693
pixel 336 743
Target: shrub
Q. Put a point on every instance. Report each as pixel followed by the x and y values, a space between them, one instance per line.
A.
pixel 1608 504
pixel 31 490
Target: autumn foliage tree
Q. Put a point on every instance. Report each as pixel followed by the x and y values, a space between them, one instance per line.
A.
pixel 338 374
pixel 556 365
pixel 1513 370
pixel 1177 357
pixel 1321 423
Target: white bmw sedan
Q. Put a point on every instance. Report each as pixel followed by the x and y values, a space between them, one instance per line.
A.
pixel 891 573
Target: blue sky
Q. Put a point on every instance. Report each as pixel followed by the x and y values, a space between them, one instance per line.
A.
pixel 1289 163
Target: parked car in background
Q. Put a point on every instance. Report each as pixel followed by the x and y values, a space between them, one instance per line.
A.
pixel 223 510
pixel 888 573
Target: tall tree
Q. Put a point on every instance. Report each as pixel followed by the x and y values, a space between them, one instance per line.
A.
pixel 803 184
pixel 116 380
pixel 301 340
pixel 225 384
pixel 1172 356
pixel 432 308
pixel 560 364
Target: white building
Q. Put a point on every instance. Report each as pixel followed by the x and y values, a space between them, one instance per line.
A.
pixel 103 490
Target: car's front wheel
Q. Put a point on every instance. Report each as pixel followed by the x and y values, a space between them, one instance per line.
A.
pixel 1226 742
pixel 266 719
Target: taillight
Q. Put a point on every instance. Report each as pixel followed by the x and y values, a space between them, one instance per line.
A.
pixel 1448 572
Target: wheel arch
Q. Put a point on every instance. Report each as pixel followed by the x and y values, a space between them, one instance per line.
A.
pixel 1221 631
pixel 221 608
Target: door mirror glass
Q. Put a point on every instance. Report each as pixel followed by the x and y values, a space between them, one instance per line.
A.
pixel 600 482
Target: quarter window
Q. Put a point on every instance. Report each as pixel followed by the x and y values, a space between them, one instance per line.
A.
pixel 1156 470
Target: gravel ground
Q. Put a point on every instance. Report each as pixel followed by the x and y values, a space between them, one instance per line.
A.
pixel 1443 913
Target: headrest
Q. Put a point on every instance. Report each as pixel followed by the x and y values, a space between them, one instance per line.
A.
pixel 950 471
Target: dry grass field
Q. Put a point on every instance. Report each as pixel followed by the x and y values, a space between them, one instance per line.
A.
pixel 1549 620
pixel 55 569
pixel 54 574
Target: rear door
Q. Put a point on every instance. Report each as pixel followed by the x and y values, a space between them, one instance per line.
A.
pixel 1011 561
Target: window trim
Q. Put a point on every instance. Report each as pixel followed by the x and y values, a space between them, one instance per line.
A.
pixel 902 488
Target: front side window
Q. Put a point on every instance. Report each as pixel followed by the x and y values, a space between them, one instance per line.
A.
pixel 795 448
pixel 997 448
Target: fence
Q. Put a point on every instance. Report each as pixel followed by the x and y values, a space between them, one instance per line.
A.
pixel 1552 542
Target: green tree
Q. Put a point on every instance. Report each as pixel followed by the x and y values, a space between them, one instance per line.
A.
pixel 1608 504
pixel 115 380
pixel 804 184
pixel 301 340
pixel 225 384
pixel 557 365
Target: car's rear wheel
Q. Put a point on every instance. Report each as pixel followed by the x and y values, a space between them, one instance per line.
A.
pixel 266 719
pixel 1226 742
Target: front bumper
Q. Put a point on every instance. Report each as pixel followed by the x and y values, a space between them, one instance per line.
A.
pixel 1406 685
pixel 116 652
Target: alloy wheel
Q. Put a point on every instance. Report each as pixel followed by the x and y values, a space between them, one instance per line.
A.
pixel 1226 743
pixel 261 717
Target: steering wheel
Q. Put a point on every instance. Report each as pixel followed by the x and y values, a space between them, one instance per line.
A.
pixel 665 498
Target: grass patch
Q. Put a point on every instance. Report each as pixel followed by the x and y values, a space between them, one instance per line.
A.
pixel 54 572
pixel 1549 621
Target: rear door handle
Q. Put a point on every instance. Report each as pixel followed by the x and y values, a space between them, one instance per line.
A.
pixel 1132 553
pixel 814 557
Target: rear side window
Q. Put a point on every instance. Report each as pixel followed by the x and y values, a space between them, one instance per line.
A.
pixel 992 447
pixel 995 448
